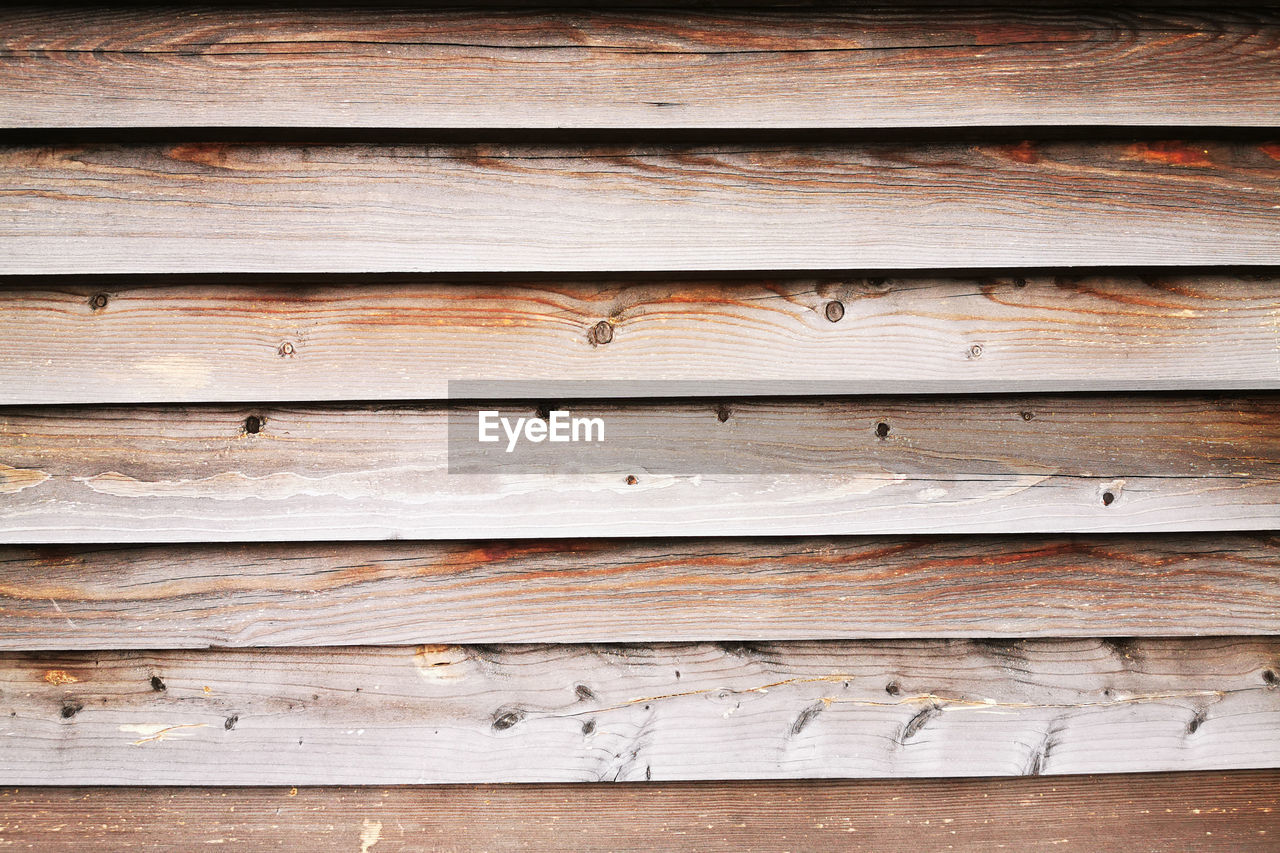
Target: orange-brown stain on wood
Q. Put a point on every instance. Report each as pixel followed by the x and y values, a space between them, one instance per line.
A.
pixel 1170 153
pixel 1271 149
pixel 1024 152
pixel 436 663
pixel 59 676
pixel 212 155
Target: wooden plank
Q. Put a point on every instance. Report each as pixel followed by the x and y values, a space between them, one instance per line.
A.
pixel 223 207
pixel 565 713
pixel 309 594
pixel 909 65
pixel 200 342
pixel 1231 811
pixel 864 465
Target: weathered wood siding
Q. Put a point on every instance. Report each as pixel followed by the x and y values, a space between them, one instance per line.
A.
pixel 406 339
pixel 680 67
pixel 939 346
pixel 1229 811
pixel 360 208
pixel 611 590
pixel 566 713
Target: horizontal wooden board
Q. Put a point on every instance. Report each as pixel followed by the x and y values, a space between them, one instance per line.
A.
pixel 86 341
pixel 873 465
pixel 236 207
pixel 570 713
pixel 910 64
pixel 1231 811
pixel 309 594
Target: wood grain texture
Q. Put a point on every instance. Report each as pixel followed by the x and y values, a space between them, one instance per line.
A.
pixel 309 594
pixel 560 713
pixel 236 207
pixel 84 341
pixel 909 64
pixel 1230 811
pixel 946 465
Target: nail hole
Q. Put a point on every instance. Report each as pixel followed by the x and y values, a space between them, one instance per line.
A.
pixel 285 350
pixel 602 332
pixel 253 425
pixel 1270 677
pixel 98 301
pixel 882 429
pixel 1108 498
pixel 975 351
pixel 835 311
pixel 70 709
pixel 1019 282
pixel 230 722
pixel 722 413
pixel 156 683
pixel 631 480
pixel 1027 416
pixel 892 688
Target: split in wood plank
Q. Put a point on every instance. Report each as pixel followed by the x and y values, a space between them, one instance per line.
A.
pixel 224 207
pixel 572 713
pixel 82 341
pixel 909 65
pixel 309 594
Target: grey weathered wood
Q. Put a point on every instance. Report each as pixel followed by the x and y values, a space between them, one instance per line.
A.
pixel 89 342
pixel 308 594
pixel 1230 811
pixel 945 465
pixel 216 207
pixel 908 65
pixel 634 713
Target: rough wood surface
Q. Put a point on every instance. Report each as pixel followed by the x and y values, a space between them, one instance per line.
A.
pixel 865 465
pixel 907 65
pixel 569 713
pixel 308 594
pixel 1232 812
pixel 224 207
pixel 89 341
